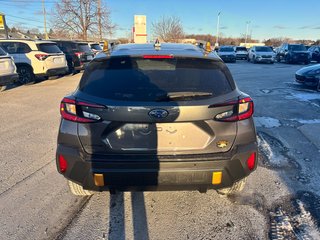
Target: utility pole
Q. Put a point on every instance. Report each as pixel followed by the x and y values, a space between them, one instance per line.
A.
pixel 45 20
pixel 218 30
pixel 99 20
pixel 248 22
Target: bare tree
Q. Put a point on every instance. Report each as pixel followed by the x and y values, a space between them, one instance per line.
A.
pixel 168 29
pixel 80 18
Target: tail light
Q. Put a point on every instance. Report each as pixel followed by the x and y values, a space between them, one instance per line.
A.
pixel 63 165
pixel 79 54
pixel 251 161
pixel 41 56
pixel 72 110
pixel 242 109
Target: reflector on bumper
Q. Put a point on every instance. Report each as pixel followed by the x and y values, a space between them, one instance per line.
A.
pixel 98 180
pixel 216 178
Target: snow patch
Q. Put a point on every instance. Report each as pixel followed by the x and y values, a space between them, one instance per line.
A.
pixel 267 122
pixel 274 158
pixel 300 226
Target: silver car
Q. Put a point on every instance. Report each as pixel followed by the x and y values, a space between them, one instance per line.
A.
pixel 261 54
pixel 8 70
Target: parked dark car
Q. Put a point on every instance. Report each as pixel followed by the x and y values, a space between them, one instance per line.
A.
pixel 293 53
pixel 309 76
pixel 314 52
pixel 241 52
pixel 227 54
pixel 156 118
pixel 78 54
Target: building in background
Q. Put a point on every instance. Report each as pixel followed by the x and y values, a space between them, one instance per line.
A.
pixel 140 29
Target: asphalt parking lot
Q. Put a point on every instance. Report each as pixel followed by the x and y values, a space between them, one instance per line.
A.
pixel 281 198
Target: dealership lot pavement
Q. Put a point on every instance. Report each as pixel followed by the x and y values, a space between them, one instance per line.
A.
pixel 282 198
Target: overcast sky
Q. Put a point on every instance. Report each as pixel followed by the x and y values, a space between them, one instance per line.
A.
pixel 272 18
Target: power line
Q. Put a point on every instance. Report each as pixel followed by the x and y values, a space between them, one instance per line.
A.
pixel 28 19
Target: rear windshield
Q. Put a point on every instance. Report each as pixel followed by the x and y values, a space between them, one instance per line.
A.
pixel 263 49
pixel 138 79
pixel 297 48
pixel 49 48
pixel 241 49
pixel 227 49
pixel 2 52
pixel 84 48
pixel 96 47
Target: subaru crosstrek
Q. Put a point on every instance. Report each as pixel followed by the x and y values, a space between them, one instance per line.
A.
pixel 147 118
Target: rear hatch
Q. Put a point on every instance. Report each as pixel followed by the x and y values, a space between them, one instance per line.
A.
pixel 52 55
pixel 85 54
pixel 160 106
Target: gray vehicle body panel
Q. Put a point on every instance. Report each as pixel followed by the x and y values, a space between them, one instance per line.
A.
pixel 128 134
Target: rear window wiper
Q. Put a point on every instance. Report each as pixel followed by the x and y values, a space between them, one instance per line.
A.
pixel 182 96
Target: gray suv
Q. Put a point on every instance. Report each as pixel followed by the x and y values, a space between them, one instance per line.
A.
pixel 151 118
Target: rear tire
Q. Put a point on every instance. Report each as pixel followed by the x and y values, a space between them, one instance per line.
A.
pixel 26 75
pixel 235 188
pixel 78 190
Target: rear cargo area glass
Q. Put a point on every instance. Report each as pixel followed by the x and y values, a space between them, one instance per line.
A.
pixel 141 79
pixel 49 48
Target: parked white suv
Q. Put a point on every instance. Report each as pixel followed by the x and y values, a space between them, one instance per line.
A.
pixel 35 58
pixel 8 70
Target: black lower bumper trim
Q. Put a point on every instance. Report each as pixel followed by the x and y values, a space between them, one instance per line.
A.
pixel 156 175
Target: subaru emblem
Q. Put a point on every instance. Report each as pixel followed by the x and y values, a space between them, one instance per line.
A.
pixel 158 113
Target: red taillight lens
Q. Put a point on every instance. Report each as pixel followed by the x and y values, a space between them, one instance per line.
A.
pixel 243 109
pixel 63 165
pixel 158 56
pixel 251 161
pixel 70 109
pixel 79 54
pixel 41 56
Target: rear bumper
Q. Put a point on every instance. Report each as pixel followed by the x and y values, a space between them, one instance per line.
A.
pixel 57 71
pixel 8 79
pixel 54 72
pixel 308 81
pixel 134 174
